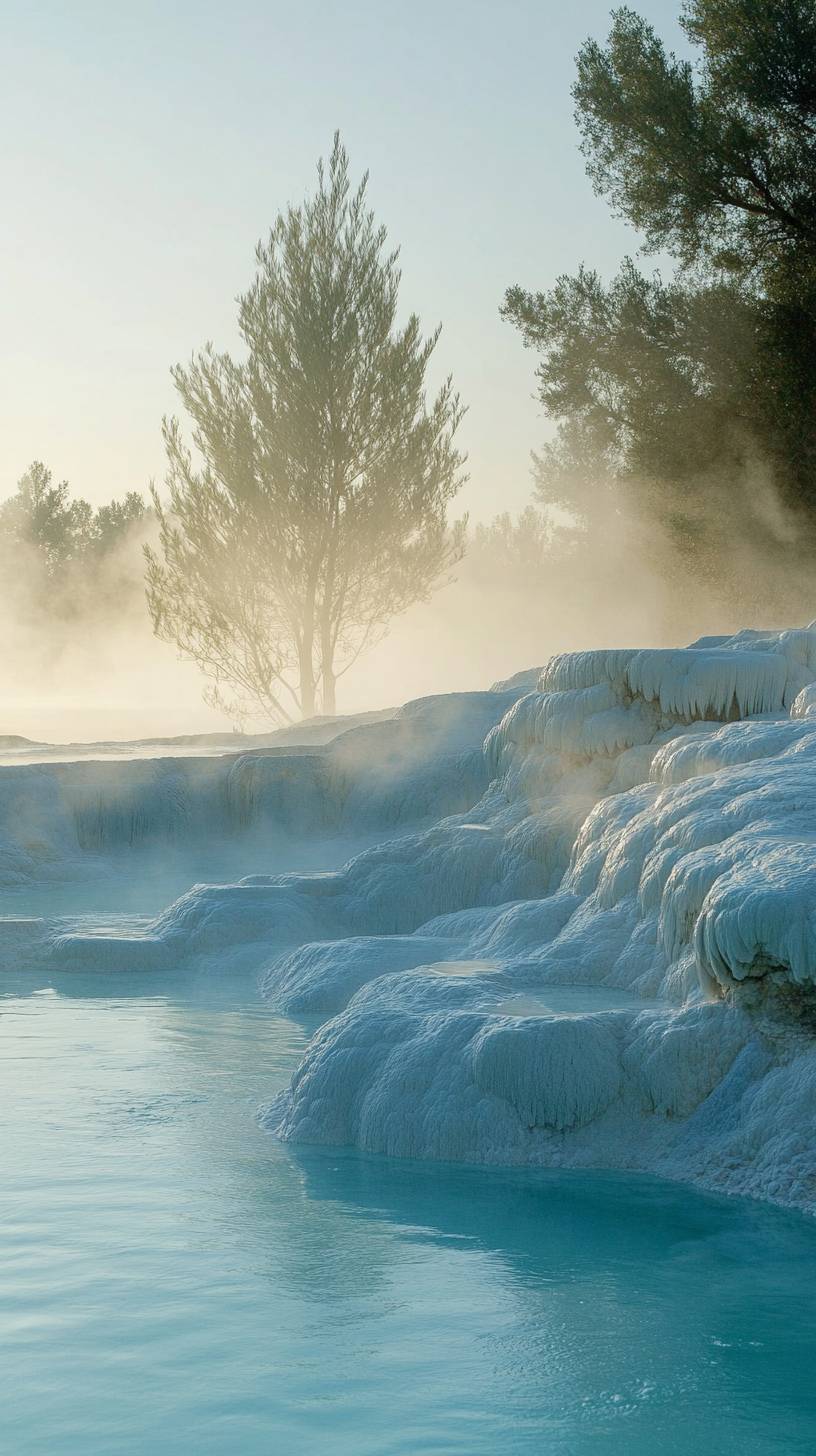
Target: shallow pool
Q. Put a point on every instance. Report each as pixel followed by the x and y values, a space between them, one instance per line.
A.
pixel 572 1001
pixel 175 1281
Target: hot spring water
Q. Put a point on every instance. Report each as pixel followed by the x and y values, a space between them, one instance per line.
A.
pixel 175 1280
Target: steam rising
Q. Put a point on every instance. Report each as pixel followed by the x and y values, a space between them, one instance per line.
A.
pixel 86 666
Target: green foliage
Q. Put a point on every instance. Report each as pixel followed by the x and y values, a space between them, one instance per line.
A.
pixel 315 507
pixel 652 384
pixel 42 515
pixel 53 537
pixel 694 400
pixel 716 160
pixel 513 553
pixel 114 522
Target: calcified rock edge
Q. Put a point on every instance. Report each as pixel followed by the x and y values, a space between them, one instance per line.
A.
pixel 650 825
pixel 646 825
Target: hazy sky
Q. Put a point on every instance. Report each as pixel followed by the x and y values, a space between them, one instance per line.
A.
pixel 146 147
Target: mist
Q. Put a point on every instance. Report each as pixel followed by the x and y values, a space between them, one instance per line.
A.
pixel 87 667
pixel 80 659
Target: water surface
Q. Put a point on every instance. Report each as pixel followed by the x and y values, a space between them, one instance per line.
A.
pixel 174 1280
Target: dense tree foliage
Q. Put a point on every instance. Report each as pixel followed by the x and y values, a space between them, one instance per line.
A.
pixel 654 385
pixel 314 508
pixel 713 157
pixel 53 544
pixel 512 552
pixel 700 393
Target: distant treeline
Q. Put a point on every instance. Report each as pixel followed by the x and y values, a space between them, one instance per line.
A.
pixel 50 541
pixel 62 558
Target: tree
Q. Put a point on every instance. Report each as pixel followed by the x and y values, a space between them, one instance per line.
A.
pixel 513 553
pixel 58 534
pixel 714 159
pixel 654 389
pixel 41 515
pixel 113 522
pixel 315 507
pixel 686 410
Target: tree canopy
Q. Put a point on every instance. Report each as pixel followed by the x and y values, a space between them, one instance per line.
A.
pixel 58 533
pixel 698 393
pixel 312 506
pixel 652 384
pixel 712 158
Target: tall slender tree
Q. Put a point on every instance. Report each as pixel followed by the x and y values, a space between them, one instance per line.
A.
pixel 314 506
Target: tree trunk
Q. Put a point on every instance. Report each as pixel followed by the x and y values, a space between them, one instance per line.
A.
pixel 307 696
pixel 307 682
pixel 304 638
pixel 329 695
pixel 328 679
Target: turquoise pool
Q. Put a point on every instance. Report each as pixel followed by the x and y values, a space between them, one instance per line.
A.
pixel 175 1281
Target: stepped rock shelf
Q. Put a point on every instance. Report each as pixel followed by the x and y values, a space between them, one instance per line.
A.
pixel 640 827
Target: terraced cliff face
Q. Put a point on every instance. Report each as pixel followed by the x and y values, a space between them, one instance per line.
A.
pixel 70 816
pixel 666 804
pixel 640 833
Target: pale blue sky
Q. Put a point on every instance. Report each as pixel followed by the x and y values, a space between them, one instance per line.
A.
pixel 146 147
